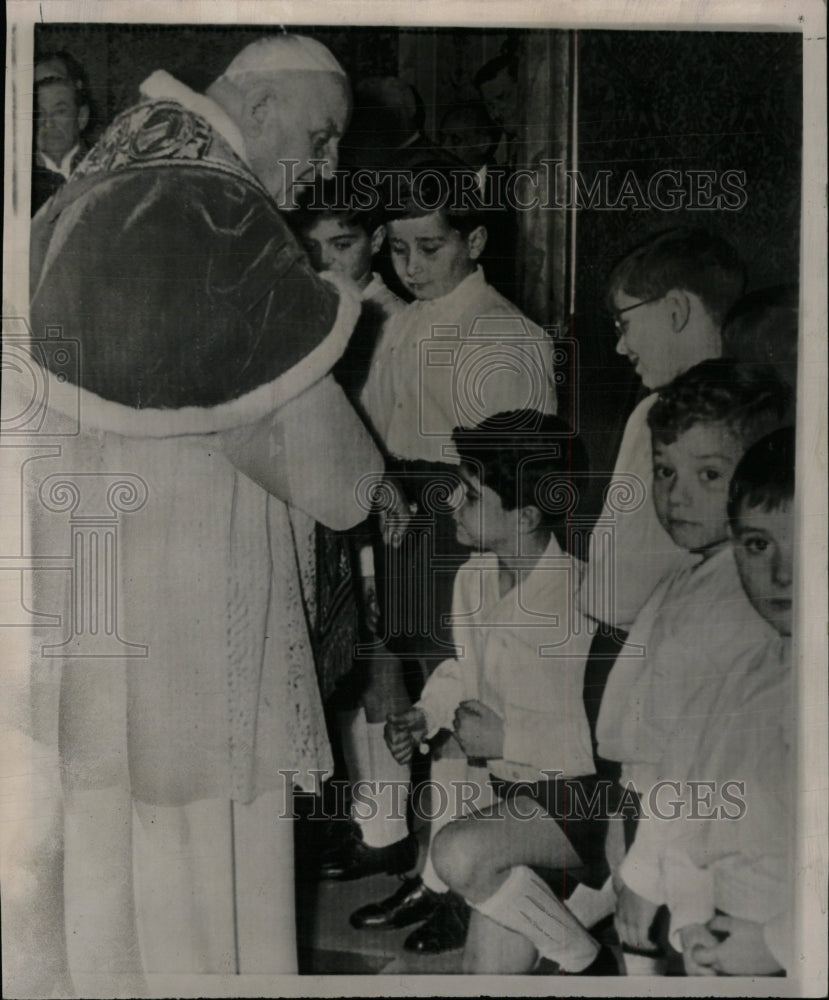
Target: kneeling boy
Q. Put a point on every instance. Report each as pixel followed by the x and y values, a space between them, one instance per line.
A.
pixel 513 696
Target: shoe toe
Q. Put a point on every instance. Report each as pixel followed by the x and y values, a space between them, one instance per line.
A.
pixel 357 859
pixel 445 930
pixel 412 903
pixel 371 915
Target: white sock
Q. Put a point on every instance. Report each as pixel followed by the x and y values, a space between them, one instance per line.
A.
pixel 589 906
pixel 445 776
pixel 354 732
pixel 643 965
pixel 379 803
pixel 525 904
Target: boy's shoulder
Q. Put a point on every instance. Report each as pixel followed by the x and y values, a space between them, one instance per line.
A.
pixel 478 561
pixel 475 297
pixel 552 569
pixel 706 605
pixel 499 305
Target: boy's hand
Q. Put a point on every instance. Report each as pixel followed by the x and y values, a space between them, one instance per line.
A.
pixel 634 918
pixel 479 730
pixel 394 512
pixel 371 606
pixel 744 951
pixel 403 732
pixel 697 940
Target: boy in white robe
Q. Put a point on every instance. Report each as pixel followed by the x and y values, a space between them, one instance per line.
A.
pixel 720 864
pixel 669 298
pixel 339 236
pixel 457 354
pixel 512 697
pixel 698 623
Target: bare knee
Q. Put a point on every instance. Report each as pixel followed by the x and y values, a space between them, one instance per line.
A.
pixel 456 854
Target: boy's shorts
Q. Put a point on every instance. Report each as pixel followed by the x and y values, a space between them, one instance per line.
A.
pixel 582 808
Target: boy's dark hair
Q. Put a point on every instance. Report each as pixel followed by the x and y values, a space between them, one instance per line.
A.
pixel 762 329
pixel 764 476
pixel 436 187
pixel 528 459
pixel 338 198
pixel 750 400
pixel 690 259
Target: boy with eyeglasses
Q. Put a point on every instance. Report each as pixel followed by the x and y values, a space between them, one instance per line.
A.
pixel 669 298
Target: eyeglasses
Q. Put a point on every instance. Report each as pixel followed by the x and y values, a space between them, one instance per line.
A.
pixel 619 324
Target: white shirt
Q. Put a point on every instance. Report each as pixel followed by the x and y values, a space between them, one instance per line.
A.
pixel 453 361
pixel 697 625
pixel 697 865
pixel 64 168
pixel 523 654
pixel 622 576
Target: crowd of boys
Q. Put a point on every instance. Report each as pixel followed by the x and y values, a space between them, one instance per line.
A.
pixel 699 581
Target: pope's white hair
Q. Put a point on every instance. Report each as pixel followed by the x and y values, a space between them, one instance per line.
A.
pixel 279 53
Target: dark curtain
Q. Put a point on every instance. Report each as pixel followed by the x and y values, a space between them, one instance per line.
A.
pixel 650 101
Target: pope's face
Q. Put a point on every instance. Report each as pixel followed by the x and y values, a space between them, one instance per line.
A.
pixel 297 131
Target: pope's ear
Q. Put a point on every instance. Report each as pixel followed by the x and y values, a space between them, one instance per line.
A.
pixel 83 117
pixel 257 109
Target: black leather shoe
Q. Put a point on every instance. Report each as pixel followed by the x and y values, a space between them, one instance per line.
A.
pixel 412 903
pixel 445 930
pixel 354 859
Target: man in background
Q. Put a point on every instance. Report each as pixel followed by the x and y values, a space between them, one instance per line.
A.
pixel 62 116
